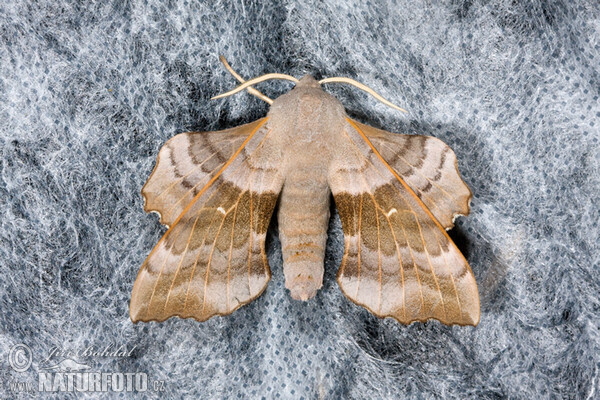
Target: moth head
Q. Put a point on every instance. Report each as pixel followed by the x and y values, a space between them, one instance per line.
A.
pixel 306 81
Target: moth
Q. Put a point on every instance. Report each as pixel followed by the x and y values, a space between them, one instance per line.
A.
pixel 396 196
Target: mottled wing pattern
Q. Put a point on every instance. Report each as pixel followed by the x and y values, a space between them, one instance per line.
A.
pixel 212 260
pixel 429 167
pixel 398 260
pixel 185 164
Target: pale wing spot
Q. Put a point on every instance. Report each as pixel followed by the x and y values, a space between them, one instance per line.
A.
pixel 392 211
pixel 221 210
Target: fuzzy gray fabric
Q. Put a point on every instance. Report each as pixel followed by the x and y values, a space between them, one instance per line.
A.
pixel 89 93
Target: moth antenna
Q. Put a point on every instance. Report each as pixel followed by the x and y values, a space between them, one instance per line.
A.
pixel 363 88
pixel 254 81
pixel 251 90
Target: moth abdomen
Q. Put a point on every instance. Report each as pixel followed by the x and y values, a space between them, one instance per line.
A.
pixel 303 219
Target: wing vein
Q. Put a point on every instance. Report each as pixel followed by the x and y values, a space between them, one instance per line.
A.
pixel 262 249
pixel 451 277
pixel 187 292
pixel 181 261
pixel 208 263
pixel 231 252
pixel 417 170
pixel 159 275
pixel 401 266
pixel 176 181
pixel 250 244
pixel 378 249
pixel 359 245
pixel 437 284
pixel 412 256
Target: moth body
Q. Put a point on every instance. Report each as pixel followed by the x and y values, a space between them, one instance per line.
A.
pixel 303 214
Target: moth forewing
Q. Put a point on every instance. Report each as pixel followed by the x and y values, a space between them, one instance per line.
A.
pixel 211 261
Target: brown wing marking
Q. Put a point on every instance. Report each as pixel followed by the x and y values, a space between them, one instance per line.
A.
pixel 212 259
pixel 428 166
pixel 398 260
pixel 185 164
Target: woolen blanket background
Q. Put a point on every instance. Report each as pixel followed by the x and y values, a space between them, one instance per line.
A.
pixel 90 92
